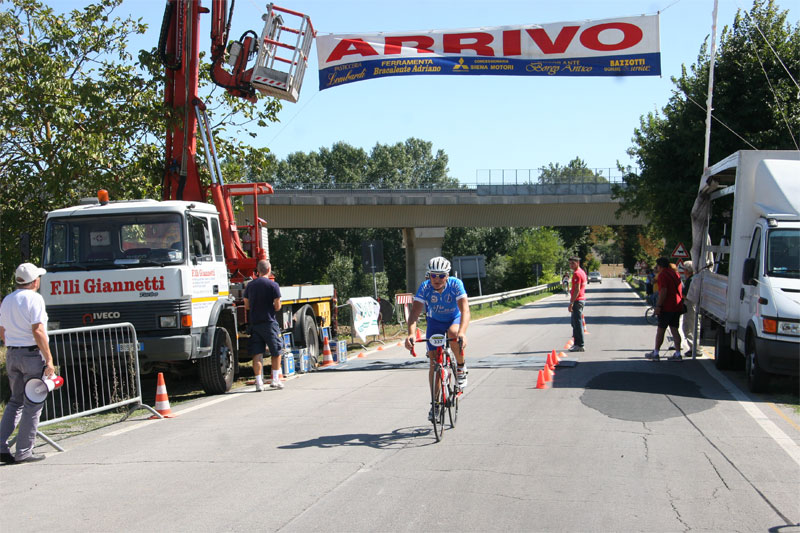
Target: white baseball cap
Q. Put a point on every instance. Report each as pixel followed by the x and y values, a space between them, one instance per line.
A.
pixel 27 272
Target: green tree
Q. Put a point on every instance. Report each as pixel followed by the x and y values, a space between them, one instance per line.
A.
pixel 541 245
pixel 77 114
pixel 755 106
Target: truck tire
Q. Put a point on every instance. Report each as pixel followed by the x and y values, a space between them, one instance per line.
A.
pixel 216 370
pixel 757 378
pixel 722 350
pixel 311 339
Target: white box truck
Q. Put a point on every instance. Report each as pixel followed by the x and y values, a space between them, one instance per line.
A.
pixel 746 248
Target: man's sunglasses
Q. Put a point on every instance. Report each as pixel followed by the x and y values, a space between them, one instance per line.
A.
pixel 438 276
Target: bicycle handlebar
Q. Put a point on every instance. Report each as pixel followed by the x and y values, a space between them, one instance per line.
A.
pixel 414 353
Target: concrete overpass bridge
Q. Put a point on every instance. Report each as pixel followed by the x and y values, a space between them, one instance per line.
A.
pixel 424 214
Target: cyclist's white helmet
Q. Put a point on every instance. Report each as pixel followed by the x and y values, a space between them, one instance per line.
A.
pixel 439 264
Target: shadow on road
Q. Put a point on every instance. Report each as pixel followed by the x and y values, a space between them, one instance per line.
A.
pixel 398 438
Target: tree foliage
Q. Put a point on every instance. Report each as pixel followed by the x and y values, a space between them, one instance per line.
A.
pixel 755 106
pixel 79 113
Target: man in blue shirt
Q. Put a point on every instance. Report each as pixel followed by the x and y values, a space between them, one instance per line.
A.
pixel 262 300
pixel 447 312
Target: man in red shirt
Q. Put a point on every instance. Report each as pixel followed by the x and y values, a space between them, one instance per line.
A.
pixel 668 308
pixel 577 299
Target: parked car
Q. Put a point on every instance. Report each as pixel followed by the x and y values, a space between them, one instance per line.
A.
pixel 595 276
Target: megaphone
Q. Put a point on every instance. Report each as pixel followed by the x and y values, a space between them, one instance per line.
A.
pixel 36 389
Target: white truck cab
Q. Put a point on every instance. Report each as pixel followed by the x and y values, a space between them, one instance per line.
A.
pixel 157 265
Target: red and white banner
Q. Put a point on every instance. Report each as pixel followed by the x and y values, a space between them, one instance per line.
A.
pixel 627 46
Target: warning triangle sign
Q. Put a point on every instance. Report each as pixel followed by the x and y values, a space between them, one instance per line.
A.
pixel 680 252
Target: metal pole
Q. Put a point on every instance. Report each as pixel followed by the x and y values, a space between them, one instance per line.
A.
pixel 372 262
pixel 478 270
pixel 710 86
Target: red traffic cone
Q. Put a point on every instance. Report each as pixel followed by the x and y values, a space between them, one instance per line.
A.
pixel 419 335
pixel 327 356
pixel 585 331
pixel 550 364
pixel 548 375
pixel 540 382
pixel 162 399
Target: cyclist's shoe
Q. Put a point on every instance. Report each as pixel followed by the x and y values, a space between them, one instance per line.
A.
pixel 653 356
pixel 462 377
pixel 432 415
pixel 675 357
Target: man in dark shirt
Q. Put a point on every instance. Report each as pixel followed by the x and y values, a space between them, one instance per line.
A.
pixel 262 299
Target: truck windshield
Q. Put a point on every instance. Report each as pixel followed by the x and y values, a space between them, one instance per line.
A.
pixel 783 253
pixel 116 241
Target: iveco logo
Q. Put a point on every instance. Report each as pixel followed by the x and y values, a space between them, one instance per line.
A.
pixel 89 318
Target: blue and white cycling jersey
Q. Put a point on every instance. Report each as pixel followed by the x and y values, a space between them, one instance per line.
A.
pixel 442 306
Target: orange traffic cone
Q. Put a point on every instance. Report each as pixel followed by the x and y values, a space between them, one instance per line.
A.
pixel 380 347
pixel 327 356
pixel 419 335
pixel 561 355
pixel 550 364
pixel 585 331
pixel 540 382
pixel 569 344
pixel 548 375
pixel 555 357
pixel 362 354
pixel 162 400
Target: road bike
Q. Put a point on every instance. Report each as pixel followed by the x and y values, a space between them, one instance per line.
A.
pixel 446 391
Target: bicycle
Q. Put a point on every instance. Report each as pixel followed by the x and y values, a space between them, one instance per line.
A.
pixel 446 390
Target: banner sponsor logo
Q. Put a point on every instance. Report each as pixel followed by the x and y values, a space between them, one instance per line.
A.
pixel 613 47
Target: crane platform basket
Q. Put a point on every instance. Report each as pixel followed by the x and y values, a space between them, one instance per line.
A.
pixel 282 53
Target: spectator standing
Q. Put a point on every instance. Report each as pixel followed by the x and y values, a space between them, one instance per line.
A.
pixel 688 318
pixel 262 299
pixel 23 329
pixel 668 308
pixel 577 300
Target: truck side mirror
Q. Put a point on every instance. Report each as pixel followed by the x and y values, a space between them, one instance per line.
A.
pixel 748 272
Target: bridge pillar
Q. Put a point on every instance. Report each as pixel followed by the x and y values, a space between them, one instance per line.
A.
pixel 421 244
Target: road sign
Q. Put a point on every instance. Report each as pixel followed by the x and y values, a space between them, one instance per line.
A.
pixel 680 252
pixel 681 269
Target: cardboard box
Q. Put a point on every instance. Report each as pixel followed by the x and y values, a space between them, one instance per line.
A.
pixel 302 362
pixel 339 351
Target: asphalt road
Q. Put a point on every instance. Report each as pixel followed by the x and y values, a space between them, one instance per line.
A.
pixel 617 443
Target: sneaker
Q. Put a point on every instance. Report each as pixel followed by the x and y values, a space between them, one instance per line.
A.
pixel 7 458
pixel 461 375
pixel 652 356
pixel 259 386
pixel 675 357
pixel 276 385
pixel 577 349
pixel 32 458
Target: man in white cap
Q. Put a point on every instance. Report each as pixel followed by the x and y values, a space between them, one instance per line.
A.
pixel 23 330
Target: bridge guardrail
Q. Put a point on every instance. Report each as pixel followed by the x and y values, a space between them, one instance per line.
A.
pixel 508 295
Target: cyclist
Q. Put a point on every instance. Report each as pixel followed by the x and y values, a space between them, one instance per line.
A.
pixel 447 312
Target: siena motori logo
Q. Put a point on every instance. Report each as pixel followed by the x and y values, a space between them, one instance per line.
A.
pixel 89 318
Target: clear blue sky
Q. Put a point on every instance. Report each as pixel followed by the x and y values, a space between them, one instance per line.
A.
pixel 480 122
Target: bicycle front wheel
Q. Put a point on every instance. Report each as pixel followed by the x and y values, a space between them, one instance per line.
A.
pixel 438 406
pixel 452 395
pixel 650 316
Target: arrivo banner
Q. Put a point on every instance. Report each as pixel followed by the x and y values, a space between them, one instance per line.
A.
pixel 626 46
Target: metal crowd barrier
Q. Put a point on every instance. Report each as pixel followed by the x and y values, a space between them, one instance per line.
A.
pixel 100 367
pixel 509 295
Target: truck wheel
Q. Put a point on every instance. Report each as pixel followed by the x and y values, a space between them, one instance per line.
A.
pixel 311 339
pixel 722 350
pixel 216 370
pixel 757 378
